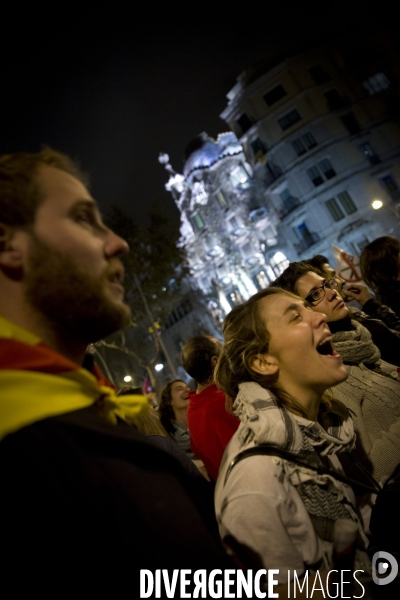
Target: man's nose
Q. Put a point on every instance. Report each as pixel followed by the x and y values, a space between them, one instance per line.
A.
pixel 330 294
pixel 116 245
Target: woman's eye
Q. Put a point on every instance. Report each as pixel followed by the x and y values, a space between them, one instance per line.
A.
pixel 296 316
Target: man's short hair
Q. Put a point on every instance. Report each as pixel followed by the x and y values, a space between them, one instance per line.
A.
pixel 196 357
pixel 20 193
pixel 318 261
pixel 290 276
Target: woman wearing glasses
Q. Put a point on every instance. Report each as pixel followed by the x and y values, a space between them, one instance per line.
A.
pixel 372 390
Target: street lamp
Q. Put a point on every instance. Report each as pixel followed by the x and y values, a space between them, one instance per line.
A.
pixel 377 204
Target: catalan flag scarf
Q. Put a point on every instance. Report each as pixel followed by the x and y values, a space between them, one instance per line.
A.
pixel 36 383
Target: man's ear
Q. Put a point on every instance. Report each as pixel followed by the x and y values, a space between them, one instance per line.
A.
pixel 214 360
pixel 11 255
pixel 264 364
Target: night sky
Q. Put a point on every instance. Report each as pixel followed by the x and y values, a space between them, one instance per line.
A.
pixel 113 89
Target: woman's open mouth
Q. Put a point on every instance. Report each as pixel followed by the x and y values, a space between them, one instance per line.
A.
pixel 325 348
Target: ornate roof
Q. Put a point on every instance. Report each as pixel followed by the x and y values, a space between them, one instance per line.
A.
pixel 210 151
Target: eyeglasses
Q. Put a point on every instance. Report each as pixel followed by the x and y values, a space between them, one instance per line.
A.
pixel 319 292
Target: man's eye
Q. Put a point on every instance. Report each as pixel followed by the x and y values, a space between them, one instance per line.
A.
pixel 85 217
pixel 296 316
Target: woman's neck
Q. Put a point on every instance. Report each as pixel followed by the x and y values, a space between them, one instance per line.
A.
pixel 181 416
pixel 308 399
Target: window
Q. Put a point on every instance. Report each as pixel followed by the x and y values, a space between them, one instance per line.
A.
pixel 247 250
pixel 315 176
pixel 239 177
pixel 274 95
pixel 376 83
pixel 258 148
pixel 198 221
pixel 289 202
pixel 318 74
pixel 221 200
pixel 347 202
pixel 290 119
pixel 327 168
pixel 304 143
pixel 303 232
pixel 335 100
pixel 369 153
pixel 233 224
pixel 309 140
pixel 334 209
pixel 350 122
pixel 244 123
pixel 390 184
pixel 279 263
pixel 299 147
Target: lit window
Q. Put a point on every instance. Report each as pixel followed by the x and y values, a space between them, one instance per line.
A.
pixel 279 263
pixel 198 221
pixel 239 177
pixel 376 83
pixel 221 200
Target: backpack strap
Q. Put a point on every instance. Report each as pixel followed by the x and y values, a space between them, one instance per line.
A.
pixel 268 450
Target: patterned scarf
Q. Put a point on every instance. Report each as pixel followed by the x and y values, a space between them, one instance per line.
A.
pixel 36 383
pixel 264 421
pixel 356 346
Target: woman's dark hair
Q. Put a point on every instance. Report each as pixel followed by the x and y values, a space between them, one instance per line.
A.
pixel 379 262
pixel 165 410
pixel 246 336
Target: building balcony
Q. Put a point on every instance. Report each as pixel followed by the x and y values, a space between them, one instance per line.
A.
pixel 272 173
pixel 289 205
pixel 306 243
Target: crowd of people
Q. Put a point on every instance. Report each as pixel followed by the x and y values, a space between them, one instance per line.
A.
pixel 291 432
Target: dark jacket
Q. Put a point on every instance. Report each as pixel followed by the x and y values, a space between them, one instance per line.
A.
pixel 390 295
pixel 377 310
pixel 385 332
pixel 86 505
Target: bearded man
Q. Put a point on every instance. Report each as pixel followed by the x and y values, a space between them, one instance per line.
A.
pixel 86 500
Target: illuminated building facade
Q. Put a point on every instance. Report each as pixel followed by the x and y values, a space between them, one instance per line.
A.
pixel 228 231
pixel 321 133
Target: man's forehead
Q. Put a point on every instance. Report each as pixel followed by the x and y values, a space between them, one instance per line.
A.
pixel 59 187
pixel 309 281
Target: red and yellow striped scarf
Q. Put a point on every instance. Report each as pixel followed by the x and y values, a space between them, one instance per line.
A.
pixel 36 383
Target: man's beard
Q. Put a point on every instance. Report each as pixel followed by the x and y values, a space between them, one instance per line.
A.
pixel 72 301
